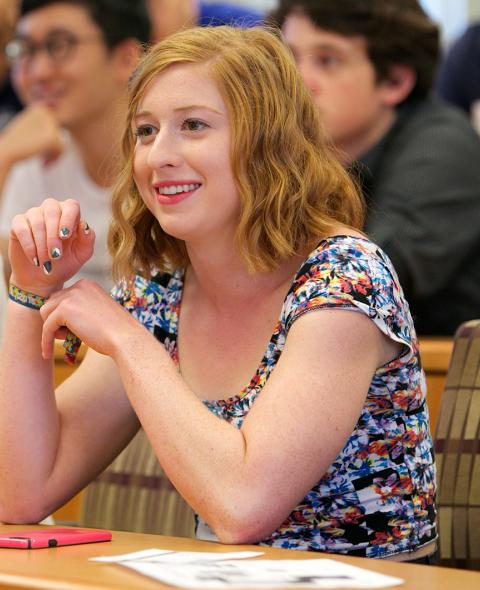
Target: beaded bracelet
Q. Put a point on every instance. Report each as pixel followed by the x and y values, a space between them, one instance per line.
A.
pixel 71 344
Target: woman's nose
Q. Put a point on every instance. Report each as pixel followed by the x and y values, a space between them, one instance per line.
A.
pixel 164 151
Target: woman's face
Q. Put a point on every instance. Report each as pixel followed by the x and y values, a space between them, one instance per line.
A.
pixel 182 165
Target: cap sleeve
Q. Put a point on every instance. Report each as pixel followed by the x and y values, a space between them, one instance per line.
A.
pixel 352 273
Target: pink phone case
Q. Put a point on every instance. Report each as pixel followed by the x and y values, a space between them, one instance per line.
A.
pixel 52 537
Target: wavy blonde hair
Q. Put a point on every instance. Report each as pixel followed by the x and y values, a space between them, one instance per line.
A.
pixel 292 188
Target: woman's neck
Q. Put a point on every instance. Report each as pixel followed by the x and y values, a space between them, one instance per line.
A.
pixel 221 276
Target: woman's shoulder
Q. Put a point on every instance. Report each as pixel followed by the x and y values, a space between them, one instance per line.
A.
pixel 348 255
pixel 351 272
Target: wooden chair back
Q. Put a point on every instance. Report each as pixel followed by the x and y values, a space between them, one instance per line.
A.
pixel 134 494
pixel 457 447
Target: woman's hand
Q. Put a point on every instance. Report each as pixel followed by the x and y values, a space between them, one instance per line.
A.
pixel 48 245
pixel 90 313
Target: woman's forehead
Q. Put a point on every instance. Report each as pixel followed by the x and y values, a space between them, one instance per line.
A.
pixel 182 82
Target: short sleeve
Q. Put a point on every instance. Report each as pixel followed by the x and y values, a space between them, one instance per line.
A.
pixel 345 272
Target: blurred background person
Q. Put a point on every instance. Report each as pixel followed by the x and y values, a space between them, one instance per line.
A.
pixel 458 80
pixel 71 60
pixel 169 16
pixel 9 103
pixel 370 66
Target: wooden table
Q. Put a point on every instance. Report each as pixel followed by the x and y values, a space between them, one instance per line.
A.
pixel 69 568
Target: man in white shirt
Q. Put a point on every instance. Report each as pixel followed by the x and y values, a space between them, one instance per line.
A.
pixel 71 60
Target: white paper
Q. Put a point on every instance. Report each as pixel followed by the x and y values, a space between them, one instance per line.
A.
pixel 165 555
pixel 145 554
pixel 200 571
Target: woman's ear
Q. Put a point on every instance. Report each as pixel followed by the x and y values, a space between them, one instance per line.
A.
pixel 398 84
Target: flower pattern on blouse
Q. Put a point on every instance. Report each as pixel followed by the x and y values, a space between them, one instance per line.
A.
pixel 378 496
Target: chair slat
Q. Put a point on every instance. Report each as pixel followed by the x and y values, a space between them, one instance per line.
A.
pixel 457 449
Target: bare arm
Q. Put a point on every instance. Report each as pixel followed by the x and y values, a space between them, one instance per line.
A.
pixel 48 445
pixel 294 431
pixel 54 445
pixel 229 475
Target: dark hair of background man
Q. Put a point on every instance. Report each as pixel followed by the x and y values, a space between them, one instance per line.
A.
pixel 396 31
pixel 118 19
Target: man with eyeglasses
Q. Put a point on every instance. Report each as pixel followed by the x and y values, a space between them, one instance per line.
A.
pixel 71 60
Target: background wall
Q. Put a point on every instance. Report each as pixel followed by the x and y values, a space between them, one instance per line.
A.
pixel 453 16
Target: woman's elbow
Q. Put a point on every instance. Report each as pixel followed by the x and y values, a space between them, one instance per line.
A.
pixel 238 535
pixel 242 528
pixel 18 512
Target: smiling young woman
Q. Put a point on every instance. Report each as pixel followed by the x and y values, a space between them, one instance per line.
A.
pixel 279 379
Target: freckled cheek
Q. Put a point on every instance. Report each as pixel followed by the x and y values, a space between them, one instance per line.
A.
pixel 140 166
pixel 141 175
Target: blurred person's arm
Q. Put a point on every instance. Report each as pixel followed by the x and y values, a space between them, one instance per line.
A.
pixel 33 132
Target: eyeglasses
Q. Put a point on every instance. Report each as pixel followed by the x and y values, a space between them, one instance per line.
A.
pixel 59 47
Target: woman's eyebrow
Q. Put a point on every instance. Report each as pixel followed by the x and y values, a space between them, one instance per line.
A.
pixel 146 113
pixel 139 114
pixel 199 107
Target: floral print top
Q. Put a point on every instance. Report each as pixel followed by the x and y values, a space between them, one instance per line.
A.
pixel 378 496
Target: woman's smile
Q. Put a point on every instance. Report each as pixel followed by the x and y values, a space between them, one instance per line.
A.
pixel 171 192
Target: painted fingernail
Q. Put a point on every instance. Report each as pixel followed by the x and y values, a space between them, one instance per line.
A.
pixel 86 228
pixel 55 252
pixel 64 232
pixel 35 261
pixel 47 267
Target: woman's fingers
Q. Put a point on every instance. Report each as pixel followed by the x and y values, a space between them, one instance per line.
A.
pixel 52 212
pixel 45 231
pixel 54 323
pixel 53 238
pixel 39 234
pixel 69 219
pixel 22 232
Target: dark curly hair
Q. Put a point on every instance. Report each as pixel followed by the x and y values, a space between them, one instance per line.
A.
pixel 396 31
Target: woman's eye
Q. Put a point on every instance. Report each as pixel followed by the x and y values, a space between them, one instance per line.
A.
pixel 145 131
pixel 194 125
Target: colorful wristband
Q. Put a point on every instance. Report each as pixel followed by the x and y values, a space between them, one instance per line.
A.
pixel 71 344
pixel 25 297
